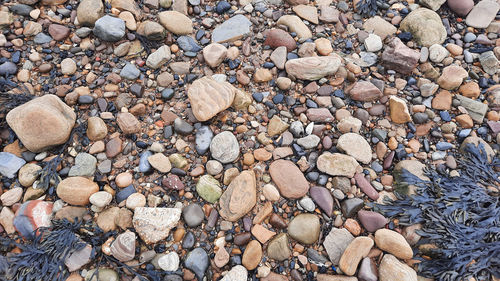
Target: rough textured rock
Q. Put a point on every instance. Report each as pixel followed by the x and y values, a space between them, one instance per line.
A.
pixel 312 68
pixel 399 110
pixel 452 77
pixel 278 248
pixel 42 122
pixel 397 56
pixel 482 14
pixel 232 29
pixel 425 26
pixel 392 269
pixel 336 164
pixel 209 97
pixel 154 224
pixel 364 91
pixel 214 54
pixel 89 11
pixel 225 147
pixel 336 242
pixel 239 197
pixel 356 146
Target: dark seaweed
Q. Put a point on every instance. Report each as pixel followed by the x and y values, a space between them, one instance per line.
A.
pixel 10 100
pixel 367 8
pixel 48 175
pixel 458 215
pixel 43 258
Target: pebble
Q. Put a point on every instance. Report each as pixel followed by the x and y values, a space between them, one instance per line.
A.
pixel 10 164
pixel 193 215
pixel 197 261
pixel 289 179
pixel 169 262
pixel 304 228
pixel 390 267
pixel 394 243
pixel 76 190
pixel 357 249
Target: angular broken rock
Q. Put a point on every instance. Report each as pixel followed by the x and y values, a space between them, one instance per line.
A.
pixel 337 164
pixel 397 56
pixel 364 91
pixel 239 197
pixel 214 54
pixel 78 259
pixel 356 146
pixel 209 97
pixel 336 242
pixel 312 68
pixel 154 224
pixel 232 29
pixel 42 122
pixel 399 110
pixel 476 109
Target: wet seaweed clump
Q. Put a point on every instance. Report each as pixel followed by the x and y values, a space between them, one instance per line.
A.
pixel 367 8
pixel 459 215
pixel 43 258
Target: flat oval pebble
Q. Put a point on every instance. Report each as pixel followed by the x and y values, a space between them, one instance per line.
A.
pixel 289 179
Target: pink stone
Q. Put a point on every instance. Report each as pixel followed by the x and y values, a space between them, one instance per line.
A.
pixel 366 186
pixel 461 7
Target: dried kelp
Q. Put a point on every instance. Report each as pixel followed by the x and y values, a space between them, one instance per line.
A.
pixel 458 214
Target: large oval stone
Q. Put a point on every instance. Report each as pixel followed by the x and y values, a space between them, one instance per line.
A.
pixel 289 179
pixel 336 164
pixel 304 228
pixel 76 190
pixel 42 123
pixel 239 197
pixel 394 243
pixel 357 249
pixel 312 68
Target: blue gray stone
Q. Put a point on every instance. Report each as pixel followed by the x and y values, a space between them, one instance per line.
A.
pixel 197 261
pixel 187 44
pixel 85 165
pixel 203 138
pixel 144 165
pixel 10 164
pixel 8 68
pixel 109 28
pixel 232 29
pixel 130 72
pixel 42 38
